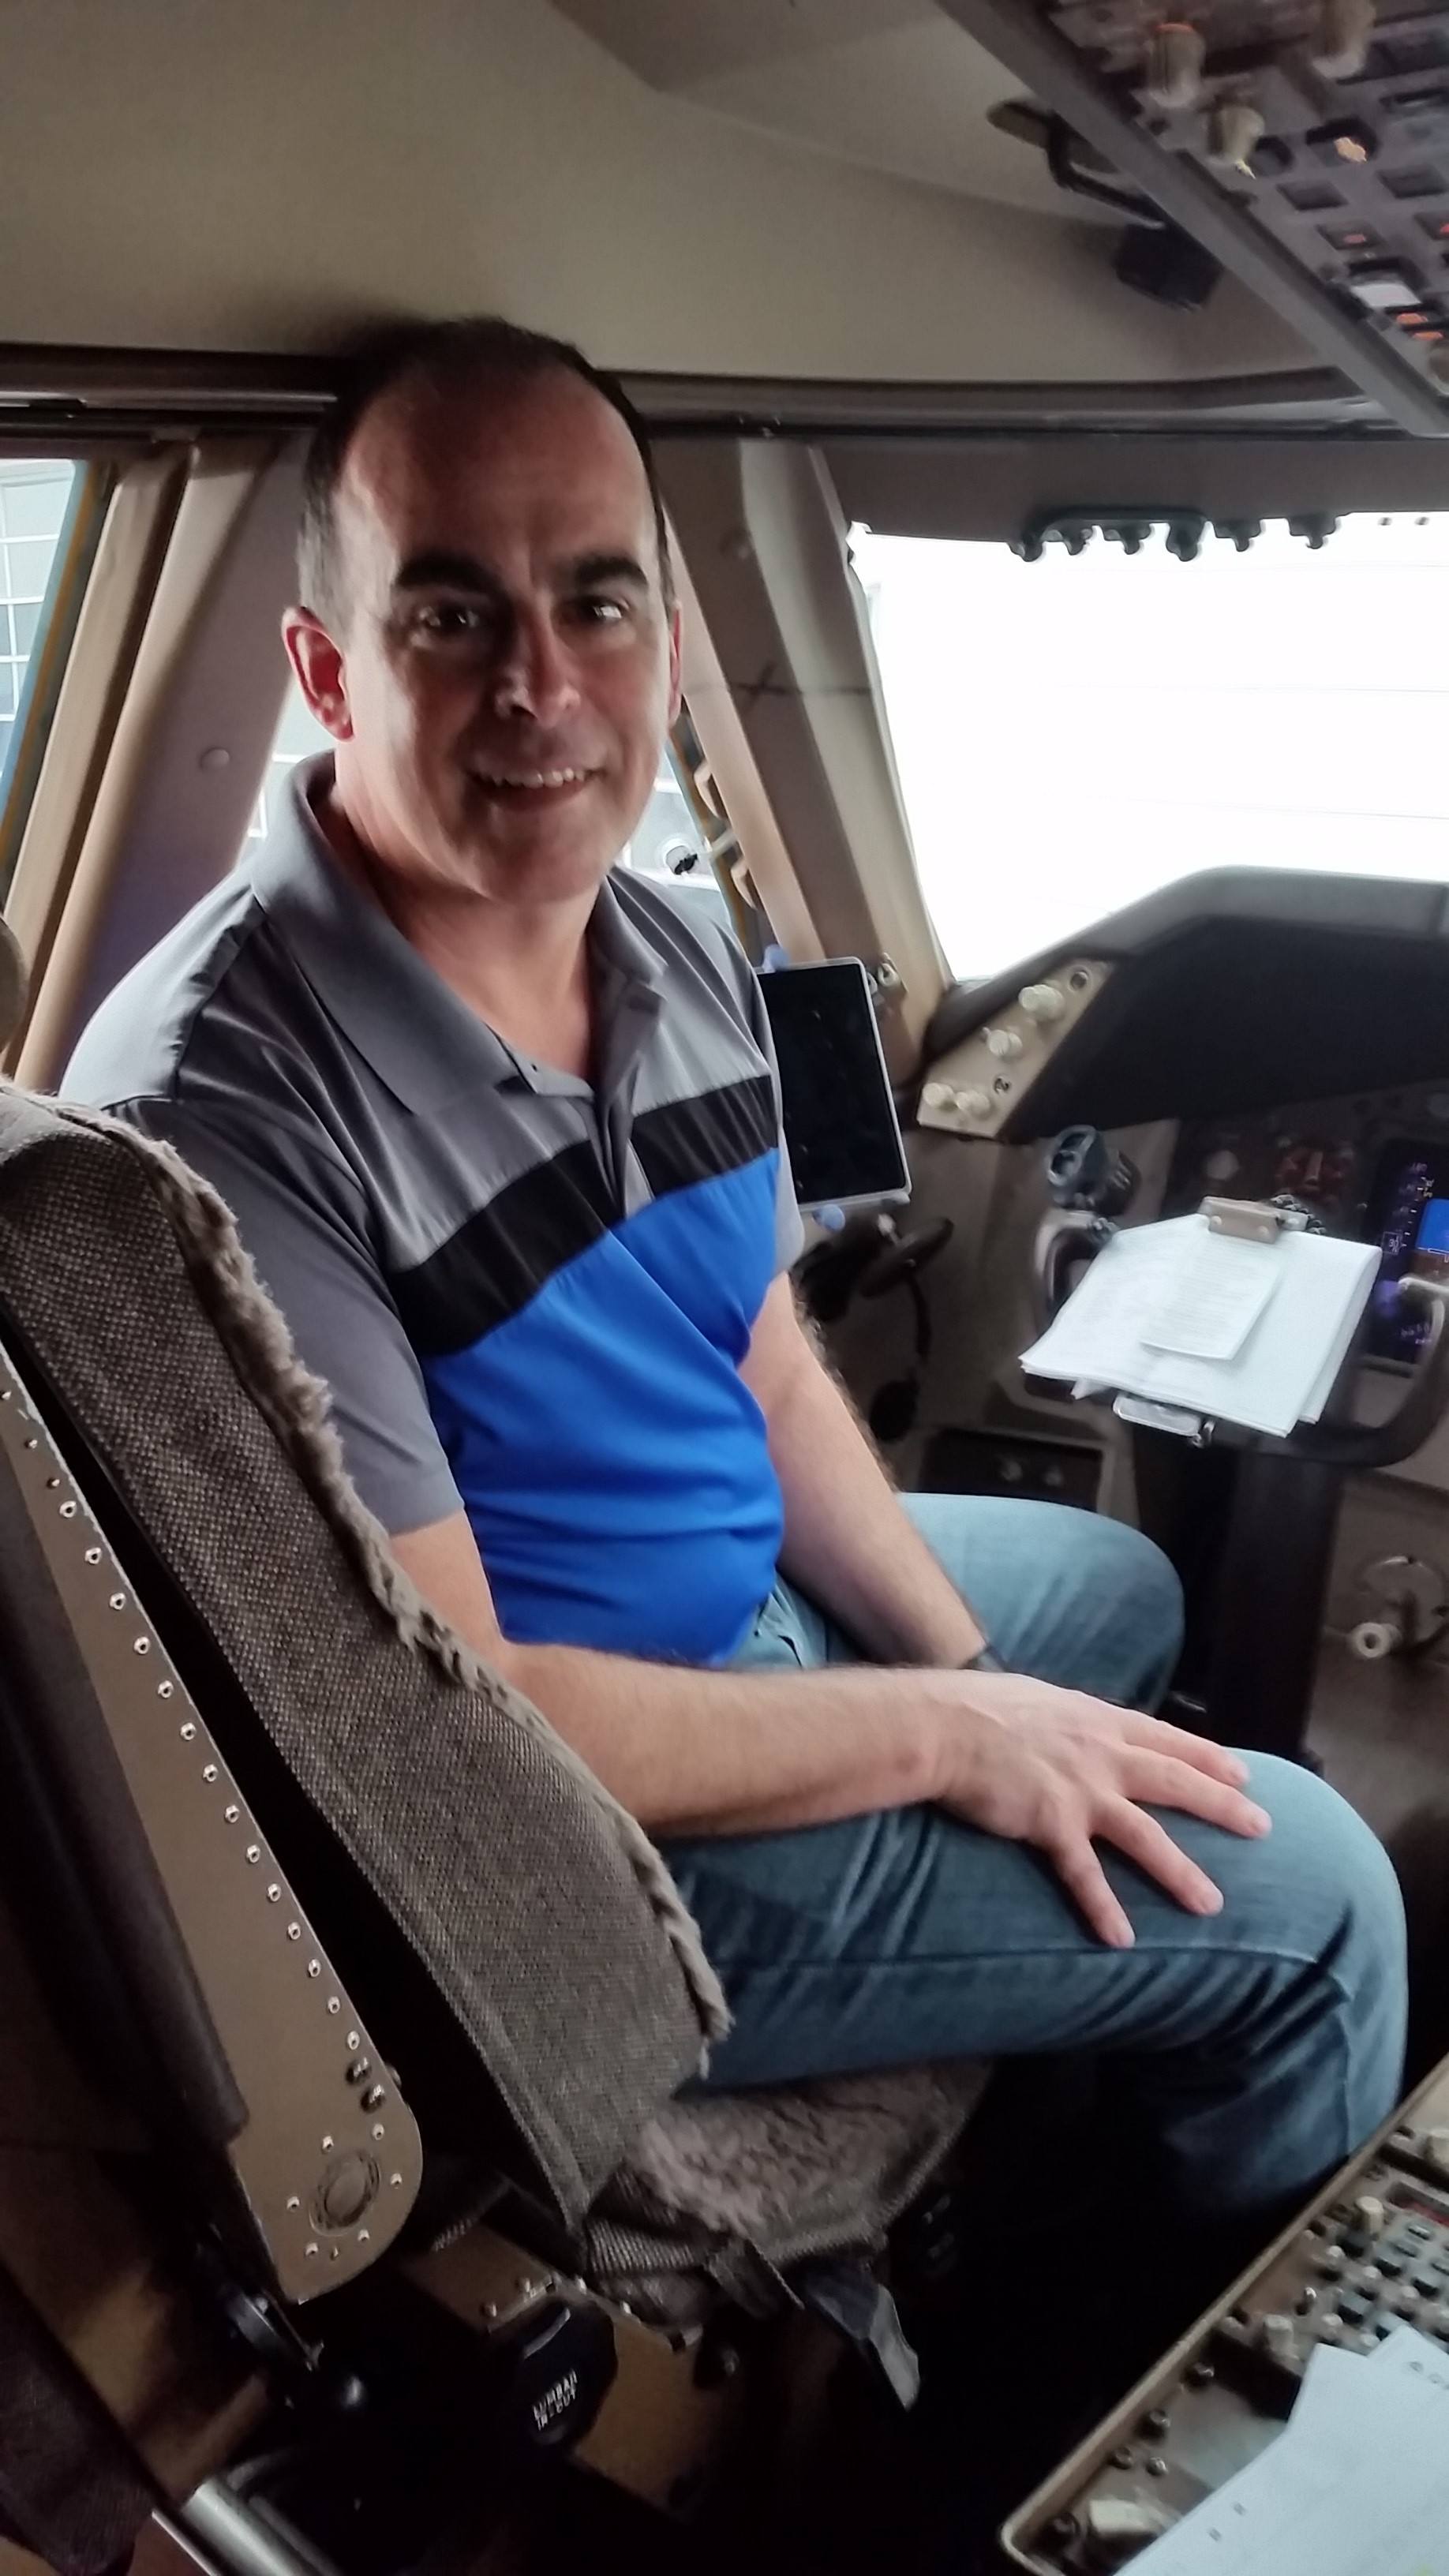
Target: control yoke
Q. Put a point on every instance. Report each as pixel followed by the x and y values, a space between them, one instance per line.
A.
pixel 1091 1186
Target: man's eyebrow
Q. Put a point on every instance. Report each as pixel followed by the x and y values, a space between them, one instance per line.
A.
pixel 437 569
pixel 589 572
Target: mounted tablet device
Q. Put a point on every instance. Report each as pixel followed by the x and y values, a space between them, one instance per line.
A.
pixel 840 1117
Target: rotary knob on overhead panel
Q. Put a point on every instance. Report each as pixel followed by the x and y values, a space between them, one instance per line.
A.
pixel 1345 33
pixel 1042 1002
pixel 1235 129
pixel 1004 1044
pixel 1172 67
pixel 1434 2147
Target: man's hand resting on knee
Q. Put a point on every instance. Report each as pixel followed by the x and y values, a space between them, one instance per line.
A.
pixel 691 1752
pixel 1056 1769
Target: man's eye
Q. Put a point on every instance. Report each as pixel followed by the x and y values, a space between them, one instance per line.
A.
pixel 601 612
pixel 447 618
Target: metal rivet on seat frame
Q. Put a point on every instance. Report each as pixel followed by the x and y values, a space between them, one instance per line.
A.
pixel 52 1484
pixel 294 1931
pixel 327 2146
pixel 274 1894
pixel 293 2202
pixel 208 1771
pixel 314 1967
pixel 364 2236
pixel 165 1690
pixel 118 1601
pixel 354 2039
pixel 188 1731
pixel 378 2129
pixel 67 1511
pixel 93 1556
pixel 254 1853
pixel 32 1442
pixel 394 2182
pixel 310 2250
pixel 231 1814
pixel 374 2098
pixel 140 1645
pixel 334 2004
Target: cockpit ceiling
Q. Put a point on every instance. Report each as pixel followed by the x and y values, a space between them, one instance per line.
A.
pixel 889 84
pixel 737 188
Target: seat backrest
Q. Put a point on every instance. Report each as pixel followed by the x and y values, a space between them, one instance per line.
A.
pixel 483 1869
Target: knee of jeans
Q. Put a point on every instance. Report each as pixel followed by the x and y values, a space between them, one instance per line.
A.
pixel 1334 1880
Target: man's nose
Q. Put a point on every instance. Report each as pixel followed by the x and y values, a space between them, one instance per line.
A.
pixel 536 676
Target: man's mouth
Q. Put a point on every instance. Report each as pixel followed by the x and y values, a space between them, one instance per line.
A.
pixel 531 782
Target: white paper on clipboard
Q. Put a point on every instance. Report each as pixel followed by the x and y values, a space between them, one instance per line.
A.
pixel 1219 1289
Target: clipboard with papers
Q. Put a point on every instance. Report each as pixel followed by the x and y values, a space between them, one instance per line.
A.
pixel 1235 1315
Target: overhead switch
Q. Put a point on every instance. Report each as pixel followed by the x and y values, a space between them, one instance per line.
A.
pixel 1004 1044
pixel 1436 2148
pixel 1235 129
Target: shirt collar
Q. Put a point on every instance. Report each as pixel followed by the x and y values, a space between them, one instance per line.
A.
pixel 417 1034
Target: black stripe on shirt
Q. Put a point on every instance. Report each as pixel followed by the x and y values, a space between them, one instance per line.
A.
pixel 700 1139
pixel 502 1256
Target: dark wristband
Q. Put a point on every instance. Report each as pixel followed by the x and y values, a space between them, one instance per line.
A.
pixel 985 1660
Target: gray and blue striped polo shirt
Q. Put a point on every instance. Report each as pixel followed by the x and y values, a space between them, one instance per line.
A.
pixel 527 1292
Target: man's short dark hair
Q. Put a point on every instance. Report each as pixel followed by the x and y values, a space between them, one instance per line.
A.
pixel 436 358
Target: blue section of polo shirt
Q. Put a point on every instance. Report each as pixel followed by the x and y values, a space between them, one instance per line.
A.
pixel 612 1461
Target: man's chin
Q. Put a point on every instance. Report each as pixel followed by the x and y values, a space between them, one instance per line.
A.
pixel 538 869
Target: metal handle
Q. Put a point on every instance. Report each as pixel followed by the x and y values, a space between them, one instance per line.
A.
pixel 1426 1399
pixel 1070 1234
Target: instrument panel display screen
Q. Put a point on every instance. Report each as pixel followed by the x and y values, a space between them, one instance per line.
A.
pixel 1408 1212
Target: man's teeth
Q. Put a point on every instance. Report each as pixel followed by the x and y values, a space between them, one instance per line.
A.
pixel 534 777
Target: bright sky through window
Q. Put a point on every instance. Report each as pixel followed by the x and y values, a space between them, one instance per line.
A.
pixel 1071 734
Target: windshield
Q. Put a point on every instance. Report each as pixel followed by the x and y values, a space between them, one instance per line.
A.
pixel 1072 733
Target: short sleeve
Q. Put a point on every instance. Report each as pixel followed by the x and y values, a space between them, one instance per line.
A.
pixel 789 1226
pixel 303 1219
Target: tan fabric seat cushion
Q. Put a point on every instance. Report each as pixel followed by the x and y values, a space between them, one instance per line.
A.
pixel 787 2173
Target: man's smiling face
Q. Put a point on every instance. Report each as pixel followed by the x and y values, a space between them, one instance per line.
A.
pixel 503 665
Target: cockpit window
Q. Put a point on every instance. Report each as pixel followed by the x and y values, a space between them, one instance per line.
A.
pixel 1073 733
pixel 36 496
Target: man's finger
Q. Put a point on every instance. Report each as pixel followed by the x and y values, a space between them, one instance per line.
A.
pixel 1154 1735
pixel 1085 1880
pixel 1157 1780
pixel 1147 1842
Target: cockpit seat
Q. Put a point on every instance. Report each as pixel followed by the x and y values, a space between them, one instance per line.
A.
pixel 355 1968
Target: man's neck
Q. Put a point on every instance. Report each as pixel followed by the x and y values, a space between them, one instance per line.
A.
pixel 524 968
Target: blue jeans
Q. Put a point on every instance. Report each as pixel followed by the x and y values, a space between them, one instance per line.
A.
pixel 1256 2047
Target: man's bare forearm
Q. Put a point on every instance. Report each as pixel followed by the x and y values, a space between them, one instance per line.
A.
pixel 724 1752
pixel 848 1543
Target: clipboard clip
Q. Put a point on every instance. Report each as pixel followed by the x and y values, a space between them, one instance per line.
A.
pixel 1258 1220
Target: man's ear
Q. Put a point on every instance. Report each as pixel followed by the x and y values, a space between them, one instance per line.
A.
pixel 676 643
pixel 321 674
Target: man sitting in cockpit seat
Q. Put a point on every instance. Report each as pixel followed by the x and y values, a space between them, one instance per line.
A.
pixel 501 1130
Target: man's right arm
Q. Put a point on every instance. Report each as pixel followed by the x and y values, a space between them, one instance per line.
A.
pixel 705 1752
